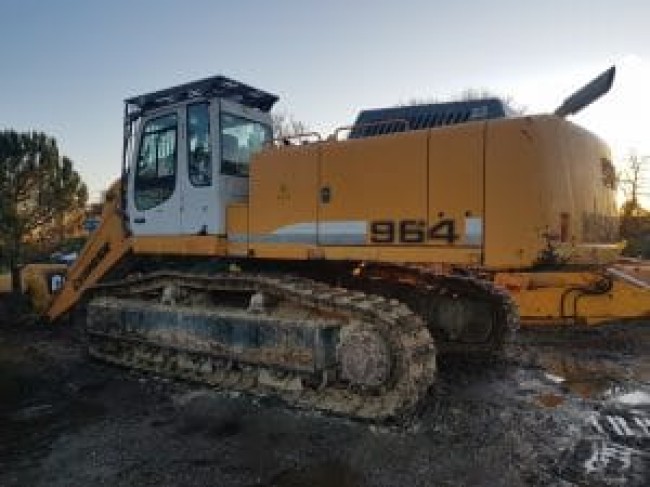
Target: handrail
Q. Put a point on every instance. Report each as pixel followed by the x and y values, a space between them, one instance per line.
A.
pixel 335 135
pixel 302 138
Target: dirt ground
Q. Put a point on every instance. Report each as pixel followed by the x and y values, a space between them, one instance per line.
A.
pixel 568 409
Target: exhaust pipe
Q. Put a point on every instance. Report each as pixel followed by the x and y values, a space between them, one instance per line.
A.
pixel 588 94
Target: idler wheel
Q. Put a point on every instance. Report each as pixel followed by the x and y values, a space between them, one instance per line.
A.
pixel 365 358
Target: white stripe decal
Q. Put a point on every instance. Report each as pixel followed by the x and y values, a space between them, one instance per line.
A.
pixel 345 232
pixel 342 232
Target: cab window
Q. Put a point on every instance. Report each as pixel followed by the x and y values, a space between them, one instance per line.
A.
pixel 198 145
pixel 240 139
pixel 155 175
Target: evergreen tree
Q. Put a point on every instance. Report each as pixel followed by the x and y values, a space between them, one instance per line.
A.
pixel 38 188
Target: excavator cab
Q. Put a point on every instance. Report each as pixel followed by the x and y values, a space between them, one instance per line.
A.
pixel 187 151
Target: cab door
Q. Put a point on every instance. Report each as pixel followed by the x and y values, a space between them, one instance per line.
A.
pixel 243 132
pixel 154 197
pixel 200 207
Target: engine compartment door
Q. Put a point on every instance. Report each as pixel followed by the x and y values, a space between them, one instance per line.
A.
pixel 456 186
pixel 373 191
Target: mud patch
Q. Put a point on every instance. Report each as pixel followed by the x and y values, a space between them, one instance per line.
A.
pixel 41 398
pixel 27 435
pixel 586 378
pixel 32 412
pixel 225 428
pixel 550 400
pixel 67 421
pixel 322 475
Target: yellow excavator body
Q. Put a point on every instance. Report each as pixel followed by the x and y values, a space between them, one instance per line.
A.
pixel 505 194
pixel 448 226
pixel 509 194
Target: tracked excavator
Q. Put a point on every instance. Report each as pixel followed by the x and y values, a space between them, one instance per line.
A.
pixel 330 272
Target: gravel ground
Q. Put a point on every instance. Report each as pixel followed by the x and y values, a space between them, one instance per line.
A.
pixel 562 409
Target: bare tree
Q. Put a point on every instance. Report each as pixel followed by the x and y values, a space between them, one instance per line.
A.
pixel 285 125
pixel 471 94
pixel 635 225
pixel 632 181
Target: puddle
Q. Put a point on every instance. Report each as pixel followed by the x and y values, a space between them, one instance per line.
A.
pixel 587 378
pixel 556 379
pixel 634 398
pixel 326 474
pixel 589 389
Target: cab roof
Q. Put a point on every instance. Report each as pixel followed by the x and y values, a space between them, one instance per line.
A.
pixel 214 86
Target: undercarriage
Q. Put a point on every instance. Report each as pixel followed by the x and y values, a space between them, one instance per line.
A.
pixel 361 348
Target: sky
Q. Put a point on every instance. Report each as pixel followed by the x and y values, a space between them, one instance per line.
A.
pixel 67 65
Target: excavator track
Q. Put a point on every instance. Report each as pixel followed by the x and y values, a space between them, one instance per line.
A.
pixel 465 312
pixel 314 346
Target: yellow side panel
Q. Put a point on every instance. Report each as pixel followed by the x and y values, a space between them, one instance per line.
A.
pixel 544 182
pixel 369 180
pixel 514 196
pixel 555 297
pixel 283 195
pixel 237 229
pixel 456 183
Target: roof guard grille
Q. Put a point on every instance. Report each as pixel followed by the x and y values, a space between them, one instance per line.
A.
pixel 215 86
pixel 379 121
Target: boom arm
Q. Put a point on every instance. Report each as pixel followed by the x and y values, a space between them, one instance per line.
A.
pixel 107 245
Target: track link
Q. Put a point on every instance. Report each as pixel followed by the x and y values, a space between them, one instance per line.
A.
pixel 410 347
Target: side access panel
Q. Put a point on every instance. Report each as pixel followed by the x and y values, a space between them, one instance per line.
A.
pixel 368 186
pixel 283 202
pixel 456 185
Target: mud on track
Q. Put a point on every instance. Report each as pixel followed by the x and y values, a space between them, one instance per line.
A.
pixel 564 409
